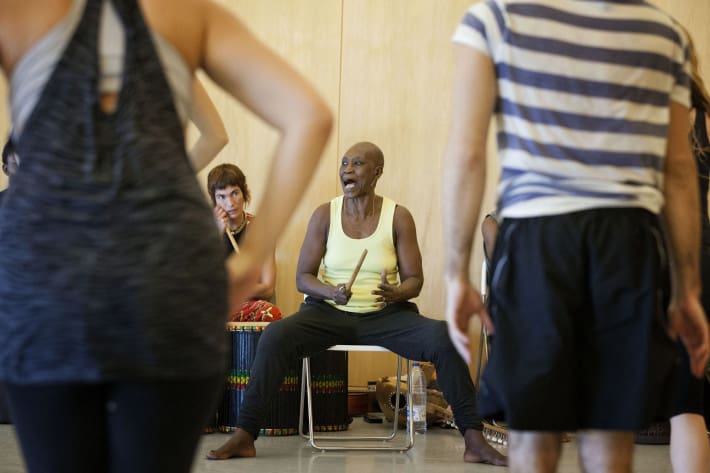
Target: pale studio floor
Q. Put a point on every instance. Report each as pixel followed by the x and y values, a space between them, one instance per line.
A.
pixel 436 451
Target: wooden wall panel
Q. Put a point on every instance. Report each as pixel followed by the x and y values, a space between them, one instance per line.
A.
pixel 307 34
pixel 385 68
pixel 395 92
pixel 396 89
pixel 396 75
pixel 695 16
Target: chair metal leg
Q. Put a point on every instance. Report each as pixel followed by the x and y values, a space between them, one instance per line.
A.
pixel 397 394
pixel 482 352
pixel 305 374
pixel 410 403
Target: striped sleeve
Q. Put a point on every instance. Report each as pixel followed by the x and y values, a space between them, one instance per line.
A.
pixel 480 26
pixel 681 90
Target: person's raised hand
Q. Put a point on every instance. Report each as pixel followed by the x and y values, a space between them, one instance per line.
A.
pixel 463 302
pixel 220 215
pixel 688 322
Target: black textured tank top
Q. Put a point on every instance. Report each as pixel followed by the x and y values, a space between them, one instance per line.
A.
pixel 111 268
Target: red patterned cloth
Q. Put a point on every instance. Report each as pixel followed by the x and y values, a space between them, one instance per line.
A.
pixel 256 311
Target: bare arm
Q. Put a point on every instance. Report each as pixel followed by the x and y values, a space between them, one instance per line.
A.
pixel 682 204
pixel 267 280
pixel 681 219
pixel 489 230
pixel 210 37
pixel 464 183
pixel 309 260
pixel 409 261
pixel 213 135
pixel 271 89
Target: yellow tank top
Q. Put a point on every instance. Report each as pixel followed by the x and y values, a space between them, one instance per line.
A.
pixel 342 254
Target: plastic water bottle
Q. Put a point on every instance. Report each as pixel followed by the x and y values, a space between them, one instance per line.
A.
pixel 418 387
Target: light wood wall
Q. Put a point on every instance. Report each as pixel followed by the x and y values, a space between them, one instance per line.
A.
pixel 385 68
pixel 307 33
pixel 396 88
pixel 395 66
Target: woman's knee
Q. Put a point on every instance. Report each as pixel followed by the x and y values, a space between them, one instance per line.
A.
pixel 438 347
pixel 275 336
pixel 441 341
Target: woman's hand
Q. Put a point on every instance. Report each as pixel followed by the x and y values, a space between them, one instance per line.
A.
pixel 220 215
pixel 387 292
pixel 341 294
pixel 463 302
pixel 688 322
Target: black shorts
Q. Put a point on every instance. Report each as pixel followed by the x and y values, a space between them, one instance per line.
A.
pixel 580 320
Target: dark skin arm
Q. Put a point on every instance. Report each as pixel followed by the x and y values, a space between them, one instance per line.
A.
pixel 489 229
pixel 409 261
pixel 312 252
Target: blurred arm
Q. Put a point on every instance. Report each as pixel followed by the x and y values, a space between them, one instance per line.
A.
pixel 465 158
pixel 489 230
pixel 239 63
pixel 267 281
pixel 681 218
pixel 213 135
pixel 474 97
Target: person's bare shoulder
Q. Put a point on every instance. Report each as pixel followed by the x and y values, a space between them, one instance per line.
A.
pixel 402 223
pixel 23 23
pixel 320 219
pixel 402 216
pixel 182 23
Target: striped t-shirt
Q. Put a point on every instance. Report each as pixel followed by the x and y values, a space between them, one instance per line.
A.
pixel 584 88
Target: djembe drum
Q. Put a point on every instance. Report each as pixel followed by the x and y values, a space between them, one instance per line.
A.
pixel 329 391
pixel 282 414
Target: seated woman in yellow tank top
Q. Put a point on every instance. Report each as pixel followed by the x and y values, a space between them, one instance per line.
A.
pixel 375 310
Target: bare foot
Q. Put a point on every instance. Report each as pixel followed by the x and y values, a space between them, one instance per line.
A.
pixel 240 444
pixel 479 451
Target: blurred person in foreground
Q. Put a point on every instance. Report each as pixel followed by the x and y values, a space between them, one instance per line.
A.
pixel 114 297
pixel 595 164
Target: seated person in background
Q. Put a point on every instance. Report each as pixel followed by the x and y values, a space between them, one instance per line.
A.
pixel 374 311
pixel 489 230
pixel 10 161
pixel 229 192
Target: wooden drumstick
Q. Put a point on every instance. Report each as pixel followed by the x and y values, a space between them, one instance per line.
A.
pixel 357 270
pixel 231 237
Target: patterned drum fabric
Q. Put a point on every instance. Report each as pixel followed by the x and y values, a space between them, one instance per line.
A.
pixel 257 311
pixel 329 387
pixel 282 417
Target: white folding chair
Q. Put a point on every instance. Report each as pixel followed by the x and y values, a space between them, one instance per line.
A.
pixel 347 442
